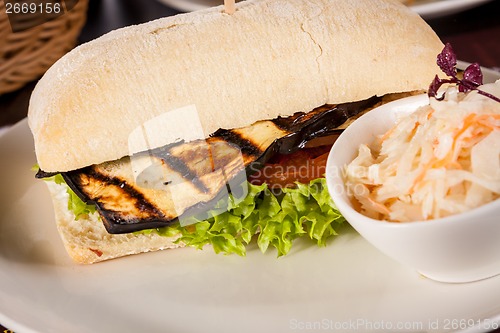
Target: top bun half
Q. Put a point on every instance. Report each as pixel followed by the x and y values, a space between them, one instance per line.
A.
pixel 270 58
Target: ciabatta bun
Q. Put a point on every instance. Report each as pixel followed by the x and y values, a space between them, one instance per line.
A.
pixel 87 241
pixel 269 58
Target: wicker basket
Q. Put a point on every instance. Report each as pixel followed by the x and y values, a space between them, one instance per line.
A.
pixel 26 55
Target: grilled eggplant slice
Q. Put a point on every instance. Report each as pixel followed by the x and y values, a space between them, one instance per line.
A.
pixel 161 186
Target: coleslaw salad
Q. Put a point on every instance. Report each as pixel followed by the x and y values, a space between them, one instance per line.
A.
pixel 441 160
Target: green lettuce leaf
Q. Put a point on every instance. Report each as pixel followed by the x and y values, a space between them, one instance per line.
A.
pixel 275 220
pixel 75 204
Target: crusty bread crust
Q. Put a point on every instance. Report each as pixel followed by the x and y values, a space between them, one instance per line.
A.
pixel 269 58
pixel 87 241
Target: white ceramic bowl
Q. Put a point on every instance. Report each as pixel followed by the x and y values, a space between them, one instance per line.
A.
pixel 459 248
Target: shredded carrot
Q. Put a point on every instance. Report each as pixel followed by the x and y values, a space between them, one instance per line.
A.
pixel 387 134
pixel 443 150
pixel 378 206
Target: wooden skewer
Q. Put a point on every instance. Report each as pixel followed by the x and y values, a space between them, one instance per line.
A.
pixel 229 6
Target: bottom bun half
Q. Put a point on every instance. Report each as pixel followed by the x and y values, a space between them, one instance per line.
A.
pixel 87 241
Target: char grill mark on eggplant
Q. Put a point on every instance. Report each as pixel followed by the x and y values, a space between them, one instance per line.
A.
pixel 247 147
pixel 114 188
pixel 190 176
pixel 181 164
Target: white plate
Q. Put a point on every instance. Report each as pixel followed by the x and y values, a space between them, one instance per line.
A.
pixel 425 8
pixel 345 286
pixel 429 9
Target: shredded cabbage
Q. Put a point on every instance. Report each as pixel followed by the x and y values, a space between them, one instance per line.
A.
pixel 441 160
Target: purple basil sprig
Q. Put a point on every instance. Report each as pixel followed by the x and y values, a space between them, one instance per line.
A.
pixel 472 76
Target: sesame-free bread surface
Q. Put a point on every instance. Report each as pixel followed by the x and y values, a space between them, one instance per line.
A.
pixel 269 58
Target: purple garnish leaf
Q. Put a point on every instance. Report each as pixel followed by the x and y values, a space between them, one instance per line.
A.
pixel 447 61
pixel 473 78
pixel 436 84
pixel 434 87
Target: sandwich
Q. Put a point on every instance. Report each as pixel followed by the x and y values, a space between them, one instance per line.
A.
pixel 157 136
